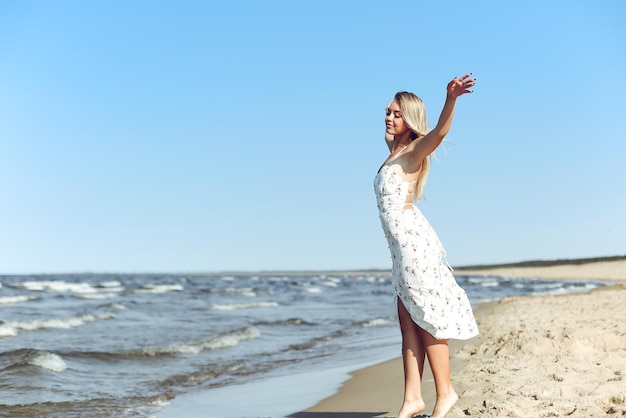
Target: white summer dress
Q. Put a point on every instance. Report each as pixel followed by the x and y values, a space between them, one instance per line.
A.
pixel 421 276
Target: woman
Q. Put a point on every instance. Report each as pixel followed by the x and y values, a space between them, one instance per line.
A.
pixel 431 306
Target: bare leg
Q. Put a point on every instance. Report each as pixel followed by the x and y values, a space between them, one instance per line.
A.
pixel 413 356
pixel 439 359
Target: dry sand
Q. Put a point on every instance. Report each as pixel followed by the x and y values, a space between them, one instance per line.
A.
pixel 542 356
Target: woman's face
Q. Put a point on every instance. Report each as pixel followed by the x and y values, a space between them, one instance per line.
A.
pixel 393 120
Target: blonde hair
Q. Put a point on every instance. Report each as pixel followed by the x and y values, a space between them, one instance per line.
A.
pixel 414 114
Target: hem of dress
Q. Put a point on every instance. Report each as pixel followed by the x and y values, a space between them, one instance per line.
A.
pixel 429 327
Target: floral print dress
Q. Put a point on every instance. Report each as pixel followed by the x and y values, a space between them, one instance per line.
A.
pixel 421 277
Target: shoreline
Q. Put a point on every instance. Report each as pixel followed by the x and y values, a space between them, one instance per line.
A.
pixel 476 364
pixel 370 391
pixel 383 383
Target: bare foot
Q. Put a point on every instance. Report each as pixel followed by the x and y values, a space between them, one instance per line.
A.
pixel 444 404
pixel 410 408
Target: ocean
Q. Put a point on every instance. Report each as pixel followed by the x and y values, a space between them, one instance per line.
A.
pixel 124 345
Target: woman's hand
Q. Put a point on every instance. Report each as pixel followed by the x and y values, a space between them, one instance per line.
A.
pixel 429 142
pixel 460 86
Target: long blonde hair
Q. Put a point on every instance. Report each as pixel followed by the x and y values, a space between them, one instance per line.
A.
pixel 414 114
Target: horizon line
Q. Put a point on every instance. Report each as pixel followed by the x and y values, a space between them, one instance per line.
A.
pixel 528 263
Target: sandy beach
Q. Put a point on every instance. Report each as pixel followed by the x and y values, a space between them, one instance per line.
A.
pixel 543 356
pixel 601 270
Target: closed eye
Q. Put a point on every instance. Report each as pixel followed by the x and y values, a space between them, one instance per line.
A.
pixel 396 113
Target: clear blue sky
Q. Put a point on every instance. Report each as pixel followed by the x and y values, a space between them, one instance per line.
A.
pixel 244 135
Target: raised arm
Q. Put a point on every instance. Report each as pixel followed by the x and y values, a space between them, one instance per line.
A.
pixel 425 145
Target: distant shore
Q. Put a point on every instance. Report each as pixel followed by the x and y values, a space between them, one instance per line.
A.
pixel 600 268
pixel 594 268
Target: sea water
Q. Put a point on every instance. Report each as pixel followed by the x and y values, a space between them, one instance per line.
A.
pixel 124 345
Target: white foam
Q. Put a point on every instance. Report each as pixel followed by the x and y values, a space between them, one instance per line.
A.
pixel 248 294
pixel 376 322
pixel 58 286
pixel 477 279
pixel 244 291
pixel 97 296
pixel 66 323
pixel 235 306
pixel 12 300
pixel 491 283
pixel 111 283
pixel 313 289
pixel 160 402
pixel 7 330
pixel 329 283
pixel 590 286
pixel 219 342
pixel 231 339
pixel 159 288
pixel 272 279
pixel 61 286
pixel 48 361
pixel 548 285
